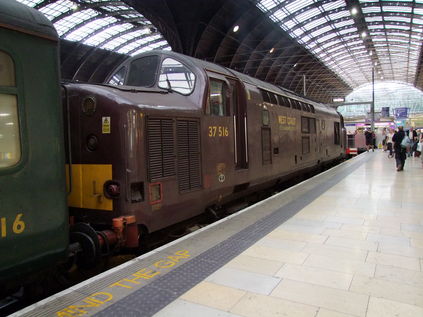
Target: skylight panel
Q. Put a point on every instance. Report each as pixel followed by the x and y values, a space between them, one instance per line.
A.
pixel 138 43
pixel 279 15
pixel 116 8
pixel 89 28
pixel 386 8
pixel 349 30
pixel 297 5
pixel 69 22
pixel 315 23
pixel 108 33
pixel 289 24
pixel 339 15
pixel 267 5
pixel 308 14
pixel 55 9
pixel 331 43
pixel 297 32
pixel 370 19
pixel 332 5
pixel 375 9
pixel 342 24
pixel 321 31
pixel 398 19
pixel 326 37
pixel 31 3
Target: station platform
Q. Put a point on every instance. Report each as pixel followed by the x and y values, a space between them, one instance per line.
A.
pixel 347 242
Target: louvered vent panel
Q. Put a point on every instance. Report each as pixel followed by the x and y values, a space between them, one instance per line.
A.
pixel 189 165
pixel 266 146
pixel 161 152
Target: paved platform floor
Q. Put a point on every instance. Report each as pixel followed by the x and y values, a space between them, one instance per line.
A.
pixel 357 250
pixel 347 242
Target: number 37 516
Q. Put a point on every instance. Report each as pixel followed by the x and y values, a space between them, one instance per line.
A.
pixel 218 131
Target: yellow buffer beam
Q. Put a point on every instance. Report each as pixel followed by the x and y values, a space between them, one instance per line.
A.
pixel 87 186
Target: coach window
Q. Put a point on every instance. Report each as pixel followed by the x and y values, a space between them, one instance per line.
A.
pixel 10 144
pixel 218 99
pixel 118 78
pixel 142 72
pixel 176 76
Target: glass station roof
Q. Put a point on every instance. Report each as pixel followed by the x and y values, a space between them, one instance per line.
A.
pixel 111 25
pixel 353 38
pixel 387 94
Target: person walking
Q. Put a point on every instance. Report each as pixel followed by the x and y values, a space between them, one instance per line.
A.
pixel 389 142
pixel 400 152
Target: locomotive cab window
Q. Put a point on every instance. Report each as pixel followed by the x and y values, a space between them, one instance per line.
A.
pixel 176 76
pixel 10 144
pixel 118 78
pixel 265 95
pixel 337 135
pixel 142 71
pixel 218 99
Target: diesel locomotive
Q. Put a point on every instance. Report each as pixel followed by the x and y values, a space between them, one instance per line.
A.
pixel 163 139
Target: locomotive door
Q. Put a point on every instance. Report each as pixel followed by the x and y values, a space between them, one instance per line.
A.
pixel 239 110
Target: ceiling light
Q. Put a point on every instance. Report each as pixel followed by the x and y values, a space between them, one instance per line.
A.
pixel 338 99
pixel 272 50
pixel 75 7
pixel 381 77
pixel 236 28
pixel 354 11
pixel 375 63
pixel 4 114
pixel 371 53
pixel 363 34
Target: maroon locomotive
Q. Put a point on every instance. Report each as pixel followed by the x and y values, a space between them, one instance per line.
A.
pixel 168 136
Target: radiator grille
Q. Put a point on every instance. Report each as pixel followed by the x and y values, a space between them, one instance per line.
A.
pixel 189 161
pixel 266 146
pixel 161 149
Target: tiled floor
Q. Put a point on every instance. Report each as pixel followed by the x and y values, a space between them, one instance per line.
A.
pixel 357 250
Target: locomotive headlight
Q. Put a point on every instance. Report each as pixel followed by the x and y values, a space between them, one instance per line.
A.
pixel 111 189
pixel 92 142
pixel 89 105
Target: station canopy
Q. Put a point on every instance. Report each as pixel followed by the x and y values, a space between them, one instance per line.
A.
pixel 387 95
pixel 354 37
pixel 110 25
pixel 322 49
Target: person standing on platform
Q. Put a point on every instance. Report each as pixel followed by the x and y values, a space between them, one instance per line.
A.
pixel 400 152
pixel 369 139
pixel 389 141
pixel 412 135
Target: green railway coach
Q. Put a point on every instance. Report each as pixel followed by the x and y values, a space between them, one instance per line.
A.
pixel 33 211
